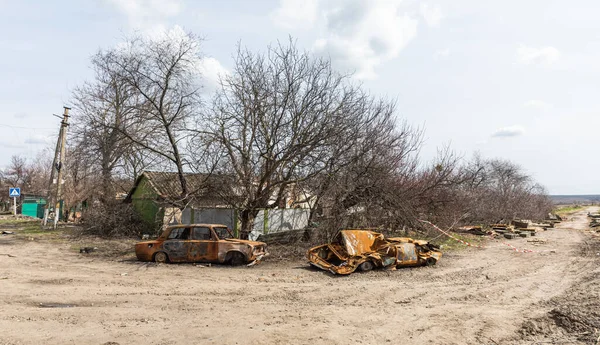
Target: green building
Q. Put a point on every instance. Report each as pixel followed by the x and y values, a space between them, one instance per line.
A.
pixel 154 193
pixel 33 206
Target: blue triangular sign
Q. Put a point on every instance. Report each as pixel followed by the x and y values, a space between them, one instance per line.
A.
pixel 14 192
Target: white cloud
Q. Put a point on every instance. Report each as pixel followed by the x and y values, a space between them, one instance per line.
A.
pixel 537 56
pixel 208 68
pixel 360 34
pixel 537 104
pixel 441 53
pixel 293 14
pixel 432 14
pixel 510 131
pixel 211 70
pixel 147 14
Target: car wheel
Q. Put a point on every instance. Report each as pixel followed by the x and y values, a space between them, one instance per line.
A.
pixel 161 257
pixel 237 258
pixel 366 266
pixel 430 262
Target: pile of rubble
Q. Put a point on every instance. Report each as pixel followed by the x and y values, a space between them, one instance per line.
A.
pixel 520 228
pixel 594 221
pixel 515 228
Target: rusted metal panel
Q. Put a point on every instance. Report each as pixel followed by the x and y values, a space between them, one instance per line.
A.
pixel 357 242
pixel 200 243
pixel 407 253
pixel 363 250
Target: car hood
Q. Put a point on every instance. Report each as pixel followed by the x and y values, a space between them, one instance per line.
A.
pixel 148 242
pixel 358 242
pixel 251 243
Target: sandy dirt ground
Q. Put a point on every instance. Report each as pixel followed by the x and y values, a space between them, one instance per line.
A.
pixel 51 294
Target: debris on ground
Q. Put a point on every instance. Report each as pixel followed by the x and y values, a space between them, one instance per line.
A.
pixel 553 217
pixel 574 316
pixel 364 250
pixel 4 232
pixel 87 250
pixel 474 229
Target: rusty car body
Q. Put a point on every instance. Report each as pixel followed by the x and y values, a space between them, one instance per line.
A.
pixel 364 250
pixel 200 243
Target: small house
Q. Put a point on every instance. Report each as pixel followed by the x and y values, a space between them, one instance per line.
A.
pixel 156 196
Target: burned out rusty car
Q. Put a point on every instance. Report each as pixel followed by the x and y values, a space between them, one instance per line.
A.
pixel 200 243
pixel 364 250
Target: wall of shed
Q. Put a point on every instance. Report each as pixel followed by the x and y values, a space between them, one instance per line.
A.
pixel 143 200
pixel 225 216
pixel 278 220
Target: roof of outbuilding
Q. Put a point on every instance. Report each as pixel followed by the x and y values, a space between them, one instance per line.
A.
pixel 205 189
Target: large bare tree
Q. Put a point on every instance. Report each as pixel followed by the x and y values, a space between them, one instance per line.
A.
pixel 163 73
pixel 137 108
pixel 102 108
pixel 284 118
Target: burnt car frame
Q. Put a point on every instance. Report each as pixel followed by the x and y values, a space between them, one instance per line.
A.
pixel 200 243
pixel 364 250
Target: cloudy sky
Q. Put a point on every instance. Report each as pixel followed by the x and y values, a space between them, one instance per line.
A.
pixel 509 79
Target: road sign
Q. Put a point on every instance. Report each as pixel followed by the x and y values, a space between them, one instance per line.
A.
pixel 14 192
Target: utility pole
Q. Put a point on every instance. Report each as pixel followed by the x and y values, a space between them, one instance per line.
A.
pixel 57 167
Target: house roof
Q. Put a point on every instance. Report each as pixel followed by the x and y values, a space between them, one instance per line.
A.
pixel 205 189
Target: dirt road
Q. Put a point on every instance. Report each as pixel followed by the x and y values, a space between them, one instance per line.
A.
pixel 51 294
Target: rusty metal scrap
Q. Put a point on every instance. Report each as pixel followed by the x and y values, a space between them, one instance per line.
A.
pixel 200 243
pixel 364 250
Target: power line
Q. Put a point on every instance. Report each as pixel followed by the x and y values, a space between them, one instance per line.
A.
pixel 19 127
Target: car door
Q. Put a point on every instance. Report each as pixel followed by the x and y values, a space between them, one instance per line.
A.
pixel 407 254
pixel 204 247
pixel 177 245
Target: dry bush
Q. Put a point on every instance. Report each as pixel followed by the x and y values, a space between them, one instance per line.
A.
pixel 113 220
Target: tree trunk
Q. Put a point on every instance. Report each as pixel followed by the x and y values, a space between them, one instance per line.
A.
pixel 107 187
pixel 247 219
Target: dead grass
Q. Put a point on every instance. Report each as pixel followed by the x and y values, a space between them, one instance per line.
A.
pixel 31 230
pixel 568 209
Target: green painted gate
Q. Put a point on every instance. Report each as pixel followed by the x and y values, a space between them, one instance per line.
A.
pixel 33 206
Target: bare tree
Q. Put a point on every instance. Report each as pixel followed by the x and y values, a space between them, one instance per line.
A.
pixel 18 173
pixel 102 108
pixel 284 118
pixel 163 74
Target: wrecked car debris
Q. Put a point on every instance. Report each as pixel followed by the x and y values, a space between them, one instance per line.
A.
pixel 87 250
pixel 200 243
pixel 364 250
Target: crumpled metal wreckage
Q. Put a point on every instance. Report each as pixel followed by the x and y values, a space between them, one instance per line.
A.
pixel 364 250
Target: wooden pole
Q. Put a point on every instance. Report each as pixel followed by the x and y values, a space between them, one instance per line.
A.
pixel 50 199
pixel 60 166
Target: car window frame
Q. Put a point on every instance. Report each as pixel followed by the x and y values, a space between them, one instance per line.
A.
pixel 181 230
pixel 175 230
pixel 228 231
pixel 213 236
